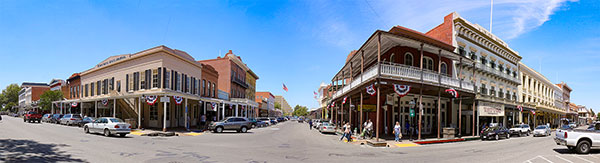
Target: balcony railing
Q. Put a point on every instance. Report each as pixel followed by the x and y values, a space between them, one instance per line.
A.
pixel 496 72
pixel 406 72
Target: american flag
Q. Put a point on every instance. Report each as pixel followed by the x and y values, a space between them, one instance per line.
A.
pixel 285 88
pixel 315 93
pixel 343 102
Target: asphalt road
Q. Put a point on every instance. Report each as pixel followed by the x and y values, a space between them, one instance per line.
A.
pixel 285 142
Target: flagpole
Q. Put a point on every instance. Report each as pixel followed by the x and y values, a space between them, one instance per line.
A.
pixel 491 12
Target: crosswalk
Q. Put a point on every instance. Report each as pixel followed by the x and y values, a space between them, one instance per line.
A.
pixel 570 158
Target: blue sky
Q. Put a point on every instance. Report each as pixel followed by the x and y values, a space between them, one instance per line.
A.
pixel 299 43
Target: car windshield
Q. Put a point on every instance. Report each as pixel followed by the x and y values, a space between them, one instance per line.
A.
pixel 540 127
pixel 491 129
pixel 76 116
pixel 32 112
pixel 565 127
pixel 115 120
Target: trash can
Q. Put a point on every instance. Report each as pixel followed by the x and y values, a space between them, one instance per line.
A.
pixel 449 132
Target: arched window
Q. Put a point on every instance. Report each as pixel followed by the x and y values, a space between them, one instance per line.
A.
pixel 408 59
pixel 392 58
pixel 444 68
pixel 428 63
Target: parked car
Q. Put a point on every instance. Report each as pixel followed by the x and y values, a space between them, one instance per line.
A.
pixel 86 120
pixel 56 118
pixel 46 118
pixel 240 124
pixel 108 126
pixel 257 123
pixel 580 140
pixel 495 132
pixel 266 120
pixel 520 130
pixel 32 116
pixel 327 127
pixel 542 130
pixel 70 119
pixel 273 120
pixel 317 123
pixel 280 119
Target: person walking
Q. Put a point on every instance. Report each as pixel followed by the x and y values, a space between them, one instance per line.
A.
pixel 203 121
pixel 369 128
pixel 310 125
pixel 343 128
pixel 397 131
pixel 348 132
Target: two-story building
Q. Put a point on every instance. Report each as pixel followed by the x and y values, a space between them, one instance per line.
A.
pixel 546 97
pixel 29 95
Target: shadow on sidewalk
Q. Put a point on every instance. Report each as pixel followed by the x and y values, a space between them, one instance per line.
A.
pixel 31 151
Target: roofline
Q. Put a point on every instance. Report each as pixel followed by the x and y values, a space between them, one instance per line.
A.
pixel 160 48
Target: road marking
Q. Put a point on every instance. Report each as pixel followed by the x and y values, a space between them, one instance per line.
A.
pixel 274 128
pixel 584 159
pixel 136 133
pixel 564 159
pixel 193 134
pixel 545 159
pixel 406 145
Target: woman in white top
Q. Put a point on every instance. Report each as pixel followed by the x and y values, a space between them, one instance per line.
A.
pixel 397 132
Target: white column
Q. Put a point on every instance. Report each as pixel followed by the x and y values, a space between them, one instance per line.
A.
pixel 236 110
pixel 139 113
pixel 114 108
pixel 61 108
pixel 204 106
pixel 165 115
pixel 187 125
pixel 96 109
pixel 52 110
pixel 223 112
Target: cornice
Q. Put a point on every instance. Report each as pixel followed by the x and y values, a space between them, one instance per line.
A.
pixel 469 32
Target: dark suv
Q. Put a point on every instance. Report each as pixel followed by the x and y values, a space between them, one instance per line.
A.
pixel 240 124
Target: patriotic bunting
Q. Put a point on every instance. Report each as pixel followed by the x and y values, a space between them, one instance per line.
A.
pixel 371 90
pixel 214 106
pixel 452 92
pixel 520 108
pixel 532 112
pixel 343 102
pixel 105 102
pixel 401 90
pixel 151 100
pixel 178 99
pixel 74 104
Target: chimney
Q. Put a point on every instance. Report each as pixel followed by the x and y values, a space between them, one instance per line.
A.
pixel 230 52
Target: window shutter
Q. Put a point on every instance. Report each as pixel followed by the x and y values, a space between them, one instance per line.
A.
pixel 172 80
pixel 159 78
pixel 126 82
pixel 148 79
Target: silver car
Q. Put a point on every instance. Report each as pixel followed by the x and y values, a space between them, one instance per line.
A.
pixel 326 127
pixel 108 126
pixel 70 119
pixel 240 124
pixel 542 130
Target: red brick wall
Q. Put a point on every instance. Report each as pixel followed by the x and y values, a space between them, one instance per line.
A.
pixel 209 74
pixel 72 84
pixel 443 31
pixel 223 68
pixel 36 92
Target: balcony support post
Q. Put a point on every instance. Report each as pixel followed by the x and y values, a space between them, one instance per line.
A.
pixel 362 63
pixel 378 86
pixel 439 101
pixel 421 94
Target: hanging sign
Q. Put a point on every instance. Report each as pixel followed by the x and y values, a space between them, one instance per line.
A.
pixel 452 92
pixel 178 99
pixel 401 90
pixel 74 104
pixel 490 109
pixel 105 102
pixel 371 90
pixel 151 100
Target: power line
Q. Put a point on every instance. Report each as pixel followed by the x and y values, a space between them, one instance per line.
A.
pixel 376 14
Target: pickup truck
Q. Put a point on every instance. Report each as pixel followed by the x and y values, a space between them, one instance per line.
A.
pixel 520 130
pixel 580 140
pixel 32 117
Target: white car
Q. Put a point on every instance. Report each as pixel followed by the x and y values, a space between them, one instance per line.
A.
pixel 542 130
pixel 108 126
pixel 520 130
pixel 326 127
pixel 580 140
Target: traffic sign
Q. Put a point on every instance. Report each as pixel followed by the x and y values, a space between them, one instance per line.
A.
pixel 412 112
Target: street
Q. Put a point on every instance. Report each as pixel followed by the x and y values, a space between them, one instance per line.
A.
pixel 286 142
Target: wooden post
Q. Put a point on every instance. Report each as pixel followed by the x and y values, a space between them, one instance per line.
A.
pixel 421 94
pixel 378 85
pixel 362 63
pixel 473 115
pixel 439 103
pixel 459 117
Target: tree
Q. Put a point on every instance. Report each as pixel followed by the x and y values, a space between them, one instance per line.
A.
pixel 48 97
pixel 300 111
pixel 277 105
pixel 10 96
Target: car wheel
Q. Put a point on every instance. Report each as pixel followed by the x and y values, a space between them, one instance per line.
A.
pixel 86 130
pixel 106 133
pixel 219 129
pixel 497 137
pixel 24 120
pixel 583 147
pixel 253 126
pixel 520 133
pixel 122 135
pixel 507 136
pixel 528 133
pixel 244 130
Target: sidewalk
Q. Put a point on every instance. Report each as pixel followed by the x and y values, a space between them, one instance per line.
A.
pixel 170 132
pixel 407 143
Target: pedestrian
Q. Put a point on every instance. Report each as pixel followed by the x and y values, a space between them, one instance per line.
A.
pixel 397 132
pixel 370 128
pixel 203 121
pixel 310 125
pixel 348 132
pixel 343 128
pixel 364 130
pixel 407 128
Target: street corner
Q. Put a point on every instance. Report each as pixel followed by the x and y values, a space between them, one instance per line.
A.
pixel 136 132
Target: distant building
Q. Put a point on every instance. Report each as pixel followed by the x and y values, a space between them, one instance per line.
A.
pixel 29 95
pixel 287 109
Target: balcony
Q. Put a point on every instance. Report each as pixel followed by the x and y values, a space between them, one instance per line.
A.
pixel 488 69
pixel 405 72
pixel 239 82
